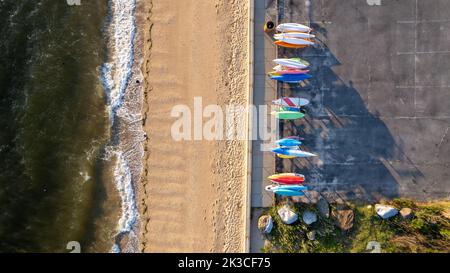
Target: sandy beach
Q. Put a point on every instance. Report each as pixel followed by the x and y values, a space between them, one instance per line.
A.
pixel 193 194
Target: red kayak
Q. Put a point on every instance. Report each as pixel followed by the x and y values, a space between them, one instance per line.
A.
pixel 289 180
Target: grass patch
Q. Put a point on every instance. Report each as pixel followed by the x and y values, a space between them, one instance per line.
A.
pixel 427 231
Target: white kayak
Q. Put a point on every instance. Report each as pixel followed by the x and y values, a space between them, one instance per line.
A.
pixel 292 63
pixel 295 41
pixel 301 35
pixel 291 102
pixel 279 68
pixel 289 27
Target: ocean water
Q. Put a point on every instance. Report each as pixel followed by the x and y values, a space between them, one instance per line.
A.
pixel 64 75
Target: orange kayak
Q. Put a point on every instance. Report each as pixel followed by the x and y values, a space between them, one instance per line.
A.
pixel 284 44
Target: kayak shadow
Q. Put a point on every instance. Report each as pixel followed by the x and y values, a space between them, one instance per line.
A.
pixel 358 156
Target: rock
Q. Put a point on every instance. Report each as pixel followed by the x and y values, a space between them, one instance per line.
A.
pixel 344 218
pixel 265 224
pixel 287 215
pixel 446 213
pixel 311 235
pixel 323 207
pixel 385 211
pixel 406 213
pixel 309 217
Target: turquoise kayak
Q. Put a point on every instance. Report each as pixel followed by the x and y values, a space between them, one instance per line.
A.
pixel 287 190
pixel 292 152
pixel 288 142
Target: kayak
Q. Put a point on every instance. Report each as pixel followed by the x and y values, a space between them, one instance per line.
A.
pixel 280 68
pixel 274 74
pixel 300 60
pixel 288 142
pixel 291 77
pixel 293 27
pixel 288 77
pixel 296 41
pixel 292 71
pixel 294 109
pixel 283 44
pixel 290 193
pixel 288 181
pixel 286 187
pixel 286 156
pixel 292 63
pixel 287 190
pixel 301 35
pixel 291 102
pixel 277 175
pixel 292 152
pixel 289 63
pixel 293 179
pixel 289 115
pixel 287 72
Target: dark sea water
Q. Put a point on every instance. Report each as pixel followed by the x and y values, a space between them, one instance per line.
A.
pixel 54 124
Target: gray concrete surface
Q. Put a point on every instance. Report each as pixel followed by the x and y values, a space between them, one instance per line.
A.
pixel 257 238
pixel 265 90
pixel 380 111
pixel 263 163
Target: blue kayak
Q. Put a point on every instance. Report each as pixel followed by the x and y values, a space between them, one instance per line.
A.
pixel 291 78
pixel 292 152
pixel 287 190
pixel 291 187
pixel 288 142
pixel 286 108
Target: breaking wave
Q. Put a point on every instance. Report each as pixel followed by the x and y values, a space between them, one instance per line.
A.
pixel 124 99
pixel 117 73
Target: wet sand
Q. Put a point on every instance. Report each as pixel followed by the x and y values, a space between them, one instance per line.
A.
pixel 193 194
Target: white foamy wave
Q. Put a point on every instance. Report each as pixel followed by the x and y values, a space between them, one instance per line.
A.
pixel 115 249
pixel 116 74
pixel 123 177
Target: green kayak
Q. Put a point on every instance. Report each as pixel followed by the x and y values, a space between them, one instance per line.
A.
pixel 288 115
pixel 301 61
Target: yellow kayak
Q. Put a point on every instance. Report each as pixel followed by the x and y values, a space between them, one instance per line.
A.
pixel 285 156
pixel 274 73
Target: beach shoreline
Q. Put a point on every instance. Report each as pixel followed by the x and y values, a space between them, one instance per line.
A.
pixel 193 194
